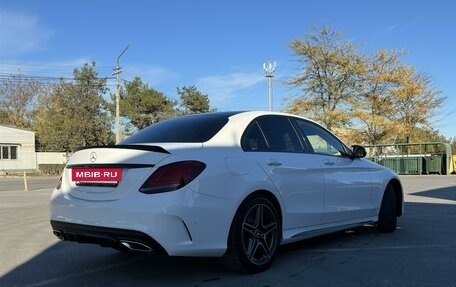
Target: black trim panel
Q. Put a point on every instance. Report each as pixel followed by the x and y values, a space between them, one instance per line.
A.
pixel 119 165
pixel 97 184
pixel 104 236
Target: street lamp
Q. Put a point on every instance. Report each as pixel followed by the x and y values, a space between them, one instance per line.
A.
pixel 117 71
pixel 269 69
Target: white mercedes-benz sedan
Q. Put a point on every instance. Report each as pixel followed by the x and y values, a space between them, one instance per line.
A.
pixel 235 185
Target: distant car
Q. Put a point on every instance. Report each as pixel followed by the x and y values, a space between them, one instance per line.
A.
pixel 235 185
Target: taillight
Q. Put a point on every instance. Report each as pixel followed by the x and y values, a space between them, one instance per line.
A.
pixel 172 176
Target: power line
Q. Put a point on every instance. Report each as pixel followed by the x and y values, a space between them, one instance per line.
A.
pixel 14 68
pixel 45 80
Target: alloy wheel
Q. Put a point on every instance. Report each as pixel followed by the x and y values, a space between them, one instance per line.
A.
pixel 259 234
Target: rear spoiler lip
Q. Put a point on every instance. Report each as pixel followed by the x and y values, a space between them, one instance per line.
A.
pixel 137 147
pixel 109 165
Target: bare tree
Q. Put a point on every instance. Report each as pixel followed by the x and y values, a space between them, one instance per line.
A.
pixel 18 98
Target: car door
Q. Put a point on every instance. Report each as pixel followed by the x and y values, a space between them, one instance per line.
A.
pixel 274 144
pixel 348 186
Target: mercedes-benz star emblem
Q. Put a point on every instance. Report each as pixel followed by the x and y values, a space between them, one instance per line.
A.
pixel 93 157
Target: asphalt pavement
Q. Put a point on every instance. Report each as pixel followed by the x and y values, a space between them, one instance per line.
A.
pixel 422 251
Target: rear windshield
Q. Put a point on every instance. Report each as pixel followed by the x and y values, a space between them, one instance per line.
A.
pixel 189 129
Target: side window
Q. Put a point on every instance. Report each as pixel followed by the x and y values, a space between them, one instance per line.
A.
pixel 13 152
pixel 253 139
pixel 280 134
pixel 320 140
pixel 8 152
pixel 5 152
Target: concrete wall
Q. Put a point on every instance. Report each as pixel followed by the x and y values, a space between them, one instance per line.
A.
pixel 51 158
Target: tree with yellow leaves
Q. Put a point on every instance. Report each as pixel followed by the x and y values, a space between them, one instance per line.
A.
pixel 364 99
pixel 415 101
pixel 329 78
pixel 374 112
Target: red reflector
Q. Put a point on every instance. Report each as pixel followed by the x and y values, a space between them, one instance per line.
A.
pixel 96 174
pixel 59 183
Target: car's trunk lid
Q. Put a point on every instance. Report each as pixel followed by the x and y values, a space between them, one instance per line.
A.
pixel 108 173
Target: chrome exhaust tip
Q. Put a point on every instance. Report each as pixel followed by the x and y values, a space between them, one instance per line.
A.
pixel 136 246
pixel 58 234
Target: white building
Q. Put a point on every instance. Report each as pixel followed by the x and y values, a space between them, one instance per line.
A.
pixel 17 149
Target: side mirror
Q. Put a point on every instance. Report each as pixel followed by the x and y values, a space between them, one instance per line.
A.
pixel 359 151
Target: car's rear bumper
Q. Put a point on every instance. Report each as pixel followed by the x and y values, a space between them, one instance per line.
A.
pixel 181 223
pixel 121 239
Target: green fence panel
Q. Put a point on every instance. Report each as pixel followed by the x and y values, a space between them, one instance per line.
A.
pixel 373 159
pixel 411 165
pixel 392 162
pixel 434 164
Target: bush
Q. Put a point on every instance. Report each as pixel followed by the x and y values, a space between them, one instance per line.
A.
pixel 51 169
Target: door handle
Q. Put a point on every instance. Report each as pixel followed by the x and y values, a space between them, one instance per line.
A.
pixel 274 163
pixel 329 162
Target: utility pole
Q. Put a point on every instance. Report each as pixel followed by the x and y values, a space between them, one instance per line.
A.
pixel 117 71
pixel 269 69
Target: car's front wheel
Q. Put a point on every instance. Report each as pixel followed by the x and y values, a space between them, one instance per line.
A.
pixel 254 236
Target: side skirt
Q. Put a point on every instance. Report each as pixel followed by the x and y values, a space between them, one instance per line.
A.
pixel 293 235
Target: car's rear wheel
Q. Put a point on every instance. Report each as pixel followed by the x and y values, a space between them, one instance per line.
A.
pixel 387 217
pixel 254 236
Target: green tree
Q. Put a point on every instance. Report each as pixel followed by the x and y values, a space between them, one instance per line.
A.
pixel 427 134
pixel 143 105
pixel 328 79
pixel 74 113
pixel 192 100
pixel 4 117
pixel 18 95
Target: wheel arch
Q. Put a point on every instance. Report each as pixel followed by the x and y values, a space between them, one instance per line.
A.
pixel 235 257
pixel 399 194
pixel 268 195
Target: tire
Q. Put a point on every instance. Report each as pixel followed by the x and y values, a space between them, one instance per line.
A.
pixel 254 237
pixel 387 217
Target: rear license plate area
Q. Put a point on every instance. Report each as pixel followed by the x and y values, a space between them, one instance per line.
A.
pixel 99 176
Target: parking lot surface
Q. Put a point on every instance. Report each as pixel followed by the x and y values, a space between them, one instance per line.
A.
pixel 422 252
